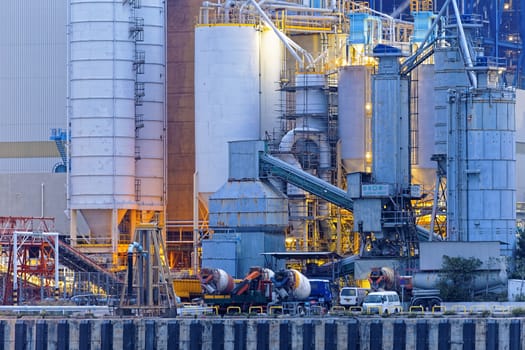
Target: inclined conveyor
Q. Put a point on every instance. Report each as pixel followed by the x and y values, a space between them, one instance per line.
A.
pixel 77 261
pixel 315 185
pixel 305 181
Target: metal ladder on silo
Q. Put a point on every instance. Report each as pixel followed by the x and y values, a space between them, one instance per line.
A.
pixel 136 32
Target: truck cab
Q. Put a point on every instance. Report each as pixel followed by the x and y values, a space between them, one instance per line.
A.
pixel 321 293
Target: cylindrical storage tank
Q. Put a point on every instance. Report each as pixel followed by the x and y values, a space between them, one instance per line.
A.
pixel 271 58
pixel 449 73
pixel 481 180
pixel 390 129
pixel 150 123
pixel 483 280
pixel 102 113
pixel 228 96
pixel 311 101
pixel 423 168
pixel 355 115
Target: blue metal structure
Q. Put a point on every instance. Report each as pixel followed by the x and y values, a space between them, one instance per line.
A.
pixel 60 138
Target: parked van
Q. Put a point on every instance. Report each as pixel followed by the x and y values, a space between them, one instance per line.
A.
pixel 352 296
pixel 382 303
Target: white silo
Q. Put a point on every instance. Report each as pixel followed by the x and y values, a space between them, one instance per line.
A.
pixel 355 114
pixel 102 114
pixel 228 96
pixel 150 113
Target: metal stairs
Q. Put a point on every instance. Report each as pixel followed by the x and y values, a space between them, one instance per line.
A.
pixel 60 138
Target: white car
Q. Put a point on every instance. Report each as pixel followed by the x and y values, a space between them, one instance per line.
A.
pixel 382 303
pixel 352 296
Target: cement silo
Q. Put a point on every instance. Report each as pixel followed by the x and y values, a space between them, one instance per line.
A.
pixel 481 179
pixel 355 115
pixel 116 96
pixel 390 130
pixel 229 100
pixel 150 121
pixel 421 131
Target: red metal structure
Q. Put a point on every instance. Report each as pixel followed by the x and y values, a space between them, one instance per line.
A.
pixel 34 255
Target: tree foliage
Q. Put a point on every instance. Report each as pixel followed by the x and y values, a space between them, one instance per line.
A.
pixel 456 282
pixel 520 244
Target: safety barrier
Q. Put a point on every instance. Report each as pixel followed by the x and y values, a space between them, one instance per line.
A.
pixel 233 310
pixel 255 310
pixel 276 309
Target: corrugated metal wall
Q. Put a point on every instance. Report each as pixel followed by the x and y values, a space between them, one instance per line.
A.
pixel 33 85
pixel 181 107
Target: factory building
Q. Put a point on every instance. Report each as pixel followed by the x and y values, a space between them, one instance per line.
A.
pixel 121 112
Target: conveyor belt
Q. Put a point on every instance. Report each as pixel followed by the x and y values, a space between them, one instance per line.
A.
pixel 78 261
pixel 307 182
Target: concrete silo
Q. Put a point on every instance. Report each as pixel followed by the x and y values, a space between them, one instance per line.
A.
pixel 355 115
pixel 150 120
pixel 116 114
pixel 481 178
pixel 237 69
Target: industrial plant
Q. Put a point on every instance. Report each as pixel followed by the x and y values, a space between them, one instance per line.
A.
pixel 384 134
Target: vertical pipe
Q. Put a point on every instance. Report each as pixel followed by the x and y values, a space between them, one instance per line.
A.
pixel 42 200
pixel 15 268
pixel 57 277
pixel 130 274
pixel 340 185
pixel 195 259
pixel 149 271
pixel 496 31
pixel 464 46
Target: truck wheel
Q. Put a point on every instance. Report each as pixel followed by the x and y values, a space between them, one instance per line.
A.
pixel 300 310
pixel 421 303
pixel 433 302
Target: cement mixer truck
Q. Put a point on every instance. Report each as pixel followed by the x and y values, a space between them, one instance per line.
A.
pixel 288 291
pixel 296 294
pixel 384 279
pixel 255 290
